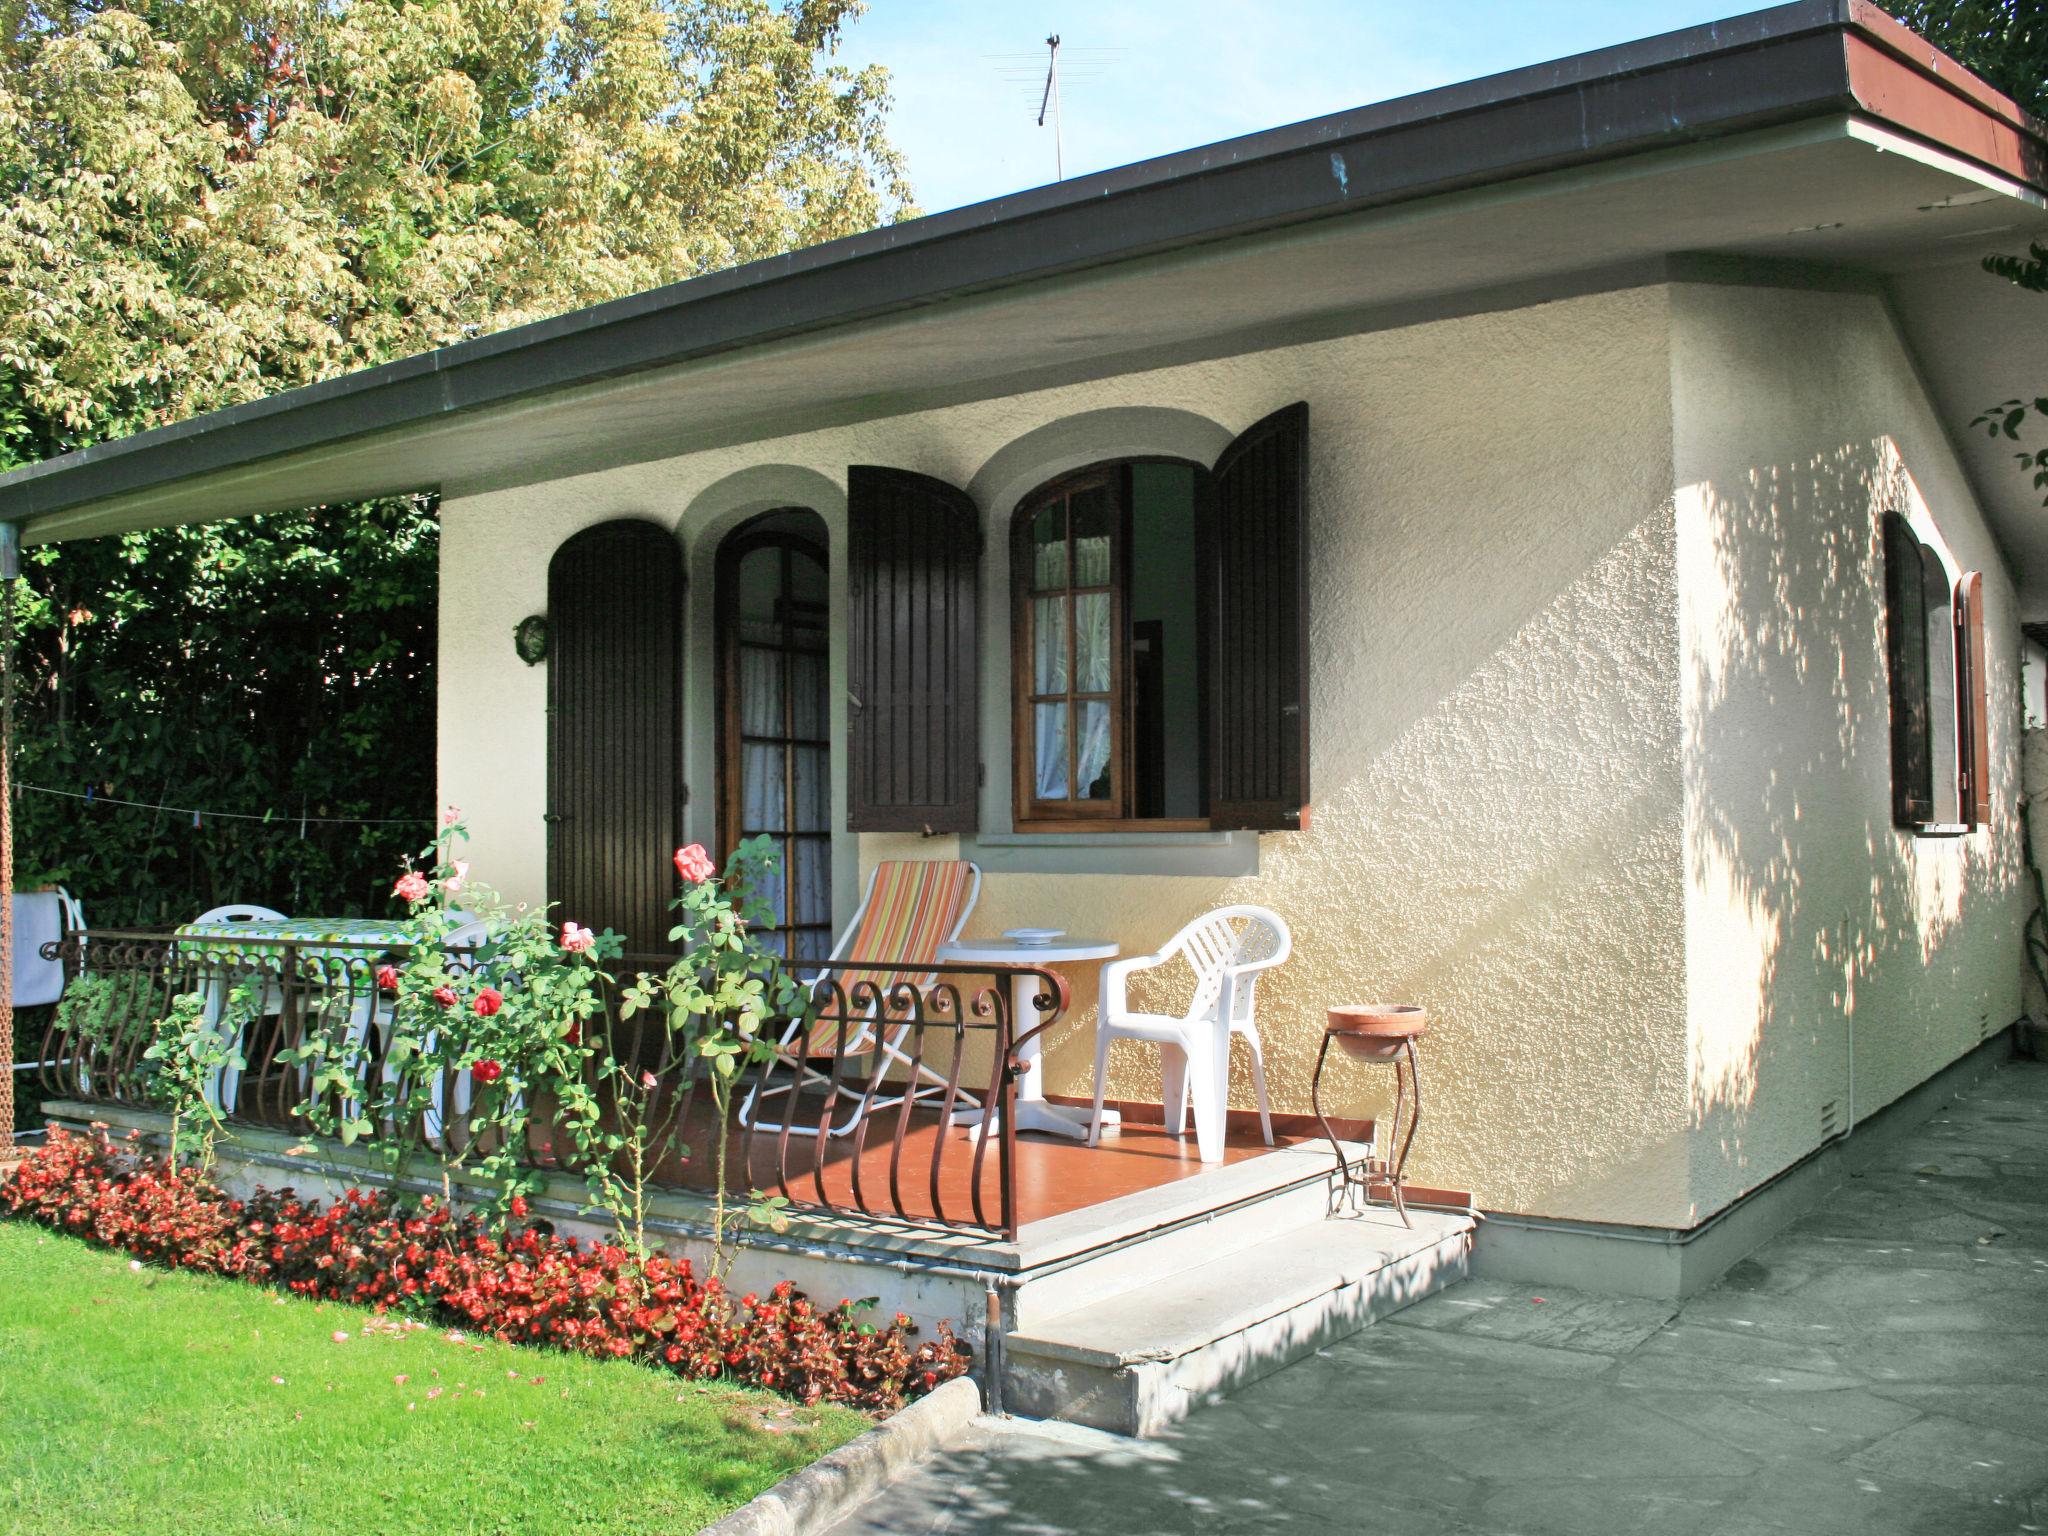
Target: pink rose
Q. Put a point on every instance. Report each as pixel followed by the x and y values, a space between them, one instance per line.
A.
pixel 387 978
pixel 577 941
pixel 445 996
pixel 488 1002
pixel 451 816
pixel 412 886
pixel 694 864
pixel 454 882
pixel 487 1072
pixel 648 1081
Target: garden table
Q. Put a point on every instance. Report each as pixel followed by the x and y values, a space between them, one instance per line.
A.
pixel 313 935
pixel 345 940
pixel 1033 1112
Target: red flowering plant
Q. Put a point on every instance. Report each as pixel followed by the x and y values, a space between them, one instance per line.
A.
pixel 523 1285
pixel 482 1016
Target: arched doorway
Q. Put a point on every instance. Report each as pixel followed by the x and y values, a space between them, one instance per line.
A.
pixel 615 785
pixel 774 737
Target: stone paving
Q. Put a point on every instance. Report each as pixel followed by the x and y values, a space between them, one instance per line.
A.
pixel 1880 1367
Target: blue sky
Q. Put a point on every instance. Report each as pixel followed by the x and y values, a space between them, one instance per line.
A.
pixel 1145 77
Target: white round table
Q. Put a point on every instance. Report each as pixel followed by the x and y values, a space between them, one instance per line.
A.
pixel 1032 1111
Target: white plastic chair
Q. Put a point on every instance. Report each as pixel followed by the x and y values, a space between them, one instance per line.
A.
pixel 1226 949
pixel 923 906
pixel 39 918
pixel 224 1084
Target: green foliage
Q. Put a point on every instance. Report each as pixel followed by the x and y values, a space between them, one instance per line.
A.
pixel 284 665
pixel 712 1010
pixel 209 201
pixel 2004 42
pixel 190 1052
pixel 476 1035
pixel 180 1405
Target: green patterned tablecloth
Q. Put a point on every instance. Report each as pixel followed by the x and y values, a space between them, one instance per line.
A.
pixel 312 933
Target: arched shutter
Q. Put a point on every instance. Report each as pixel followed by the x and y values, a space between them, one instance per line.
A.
pixel 913 631
pixel 1906 652
pixel 615 788
pixel 1972 685
pixel 1257 584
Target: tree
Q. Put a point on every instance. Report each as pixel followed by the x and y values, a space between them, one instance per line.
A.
pixel 207 201
pixel 2005 42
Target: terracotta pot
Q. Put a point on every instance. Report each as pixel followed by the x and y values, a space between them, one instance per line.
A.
pixel 1375 1031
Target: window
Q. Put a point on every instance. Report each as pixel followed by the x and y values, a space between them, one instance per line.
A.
pixel 1108 660
pixel 1159 651
pixel 1934 643
pixel 774 738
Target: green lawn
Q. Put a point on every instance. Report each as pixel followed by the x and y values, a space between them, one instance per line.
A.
pixel 132 1400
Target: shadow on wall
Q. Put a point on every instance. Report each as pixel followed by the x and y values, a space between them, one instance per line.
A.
pixel 1814 927
pixel 1507 852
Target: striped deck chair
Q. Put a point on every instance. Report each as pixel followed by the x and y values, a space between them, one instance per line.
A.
pixel 912 906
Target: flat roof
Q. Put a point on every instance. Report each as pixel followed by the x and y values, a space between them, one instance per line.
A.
pixel 1809 60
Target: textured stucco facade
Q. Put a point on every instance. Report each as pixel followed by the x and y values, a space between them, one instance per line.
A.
pixel 1832 960
pixel 1524 746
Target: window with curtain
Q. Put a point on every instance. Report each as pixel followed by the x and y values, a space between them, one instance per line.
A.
pixel 775 757
pixel 1108 718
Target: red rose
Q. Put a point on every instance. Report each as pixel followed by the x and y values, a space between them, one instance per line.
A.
pixel 488 1002
pixel 387 978
pixel 694 864
pixel 573 1035
pixel 487 1071
pixel 445 996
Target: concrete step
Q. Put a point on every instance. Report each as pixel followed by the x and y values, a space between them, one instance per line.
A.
pixel 1137 1362
pixel 1170 1229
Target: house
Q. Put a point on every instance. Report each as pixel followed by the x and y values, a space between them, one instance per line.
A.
pixel 1529 534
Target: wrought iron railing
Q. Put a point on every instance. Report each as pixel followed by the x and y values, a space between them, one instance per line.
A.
pixel 890 1102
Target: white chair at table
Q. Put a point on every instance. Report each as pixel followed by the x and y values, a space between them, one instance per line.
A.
pixel 1226 949
pixel 911 908
pixel 39 918
pixel 225 1082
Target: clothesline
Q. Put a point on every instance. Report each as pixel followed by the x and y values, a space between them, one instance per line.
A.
pixel 93 797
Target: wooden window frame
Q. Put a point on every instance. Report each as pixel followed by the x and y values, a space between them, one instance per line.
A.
pixel 730 789
pixel 1913 718
pixel 1029 813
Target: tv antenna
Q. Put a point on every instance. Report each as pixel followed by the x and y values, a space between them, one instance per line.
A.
pixel 1051 99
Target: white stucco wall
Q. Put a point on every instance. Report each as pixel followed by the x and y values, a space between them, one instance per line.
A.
pixel 1495 691
pixel 1817 935
pixel 1600 733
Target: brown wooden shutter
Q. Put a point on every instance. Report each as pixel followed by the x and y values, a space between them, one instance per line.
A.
pixel 1256 581
pixel 615 787
pixel 1973 742
pixel 1906 655
pixel 914 715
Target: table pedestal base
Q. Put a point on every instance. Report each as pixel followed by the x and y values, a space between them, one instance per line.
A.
pixel 1039 1115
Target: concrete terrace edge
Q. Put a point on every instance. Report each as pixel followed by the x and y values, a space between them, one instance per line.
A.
pixel 1670 1265
pixel 819 1495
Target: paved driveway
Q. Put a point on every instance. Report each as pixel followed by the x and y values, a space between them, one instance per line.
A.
pixel 1880 1367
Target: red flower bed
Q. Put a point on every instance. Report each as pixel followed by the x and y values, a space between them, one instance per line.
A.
pixel 525 1285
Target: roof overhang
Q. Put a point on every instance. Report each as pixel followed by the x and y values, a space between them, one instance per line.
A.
pixel 1821 133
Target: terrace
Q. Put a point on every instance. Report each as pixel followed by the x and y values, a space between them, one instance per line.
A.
pixel 1011 1235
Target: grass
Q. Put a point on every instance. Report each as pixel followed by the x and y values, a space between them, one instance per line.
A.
pixel 135 1400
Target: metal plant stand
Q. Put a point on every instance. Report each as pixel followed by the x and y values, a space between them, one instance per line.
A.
pixel 1383 1035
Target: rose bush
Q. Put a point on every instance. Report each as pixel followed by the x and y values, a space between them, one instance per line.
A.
pixel 523 1284
pixel 485 1022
